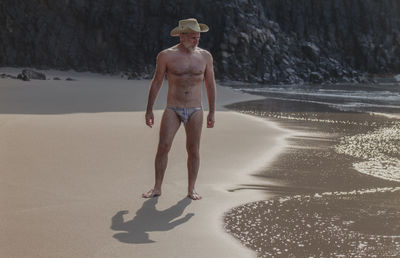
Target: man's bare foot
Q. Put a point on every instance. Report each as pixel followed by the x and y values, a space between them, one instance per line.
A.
pixel 193 195
pixel 151 193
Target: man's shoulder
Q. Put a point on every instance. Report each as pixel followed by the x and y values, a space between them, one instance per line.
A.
pixel 170 50
pixel 167 52
pixel 204 53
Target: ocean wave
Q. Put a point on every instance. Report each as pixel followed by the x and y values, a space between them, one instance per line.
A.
pixel 339 98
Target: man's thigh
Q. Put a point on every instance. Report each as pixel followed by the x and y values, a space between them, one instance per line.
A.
pixel 169 126
pixel 193 128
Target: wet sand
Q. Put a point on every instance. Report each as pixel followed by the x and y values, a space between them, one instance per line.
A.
pixel 327 205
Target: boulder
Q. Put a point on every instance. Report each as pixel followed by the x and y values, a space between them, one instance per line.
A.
pixel 28 74
pixel 23 77
pixel 316 77
pixel 311 51
pixel 3 75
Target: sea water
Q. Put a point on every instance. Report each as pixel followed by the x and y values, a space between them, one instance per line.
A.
pixel 383 98
pixel 379 150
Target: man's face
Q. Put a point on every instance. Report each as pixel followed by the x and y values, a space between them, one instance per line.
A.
pixel 190 40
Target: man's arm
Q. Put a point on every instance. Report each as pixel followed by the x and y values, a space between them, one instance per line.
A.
pixel 155 86
pixel 209 82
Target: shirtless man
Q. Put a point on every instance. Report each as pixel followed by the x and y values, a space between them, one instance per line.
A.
pixel 186 66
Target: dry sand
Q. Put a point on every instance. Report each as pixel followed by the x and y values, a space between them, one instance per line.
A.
pixel 75 157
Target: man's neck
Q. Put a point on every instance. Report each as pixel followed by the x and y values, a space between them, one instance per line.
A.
pixel 185 49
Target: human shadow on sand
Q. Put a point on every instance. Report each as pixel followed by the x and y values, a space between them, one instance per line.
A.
pixel 149 219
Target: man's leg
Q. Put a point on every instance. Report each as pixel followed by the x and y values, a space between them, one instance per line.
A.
pixel 169 126
pixel 193 133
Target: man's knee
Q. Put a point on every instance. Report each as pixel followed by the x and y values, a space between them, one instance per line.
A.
pixel 163 148
pixel 193 150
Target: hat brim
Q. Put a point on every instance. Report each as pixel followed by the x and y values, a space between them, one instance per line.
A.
pixel 176 31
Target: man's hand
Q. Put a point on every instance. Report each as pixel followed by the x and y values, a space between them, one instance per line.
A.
pixel 210 120
pixel 149 119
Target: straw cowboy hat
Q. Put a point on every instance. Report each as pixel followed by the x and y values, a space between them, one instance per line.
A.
pixel 187 26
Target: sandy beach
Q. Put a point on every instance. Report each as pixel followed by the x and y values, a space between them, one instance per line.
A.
pixel 75 157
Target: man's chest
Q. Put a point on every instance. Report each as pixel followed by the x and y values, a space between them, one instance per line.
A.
pixel 186 66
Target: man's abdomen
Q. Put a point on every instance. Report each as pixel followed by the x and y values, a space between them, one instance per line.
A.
pixel 185 93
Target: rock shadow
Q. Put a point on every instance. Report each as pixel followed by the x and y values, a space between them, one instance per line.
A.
pixel 149 219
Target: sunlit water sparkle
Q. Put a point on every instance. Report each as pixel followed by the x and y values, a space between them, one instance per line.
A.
pixel 379 150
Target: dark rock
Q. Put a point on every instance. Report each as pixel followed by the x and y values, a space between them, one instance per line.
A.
pixel 28 74
pixel 23 77
pixel 70 79
pixel 316 77
pixel 56 79
pixel 254 40
pixel 3 75
pixel 12 76
pixel 311 51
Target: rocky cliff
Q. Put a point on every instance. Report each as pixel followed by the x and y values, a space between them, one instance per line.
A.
pixel 268 41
